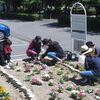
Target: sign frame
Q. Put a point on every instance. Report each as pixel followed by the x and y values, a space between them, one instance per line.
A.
pixel 78 27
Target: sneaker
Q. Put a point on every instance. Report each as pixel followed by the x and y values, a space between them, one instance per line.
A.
pixel 7 67
pixel 84 81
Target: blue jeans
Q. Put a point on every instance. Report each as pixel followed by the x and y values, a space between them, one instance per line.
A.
pixel 52 55
pixel 88 74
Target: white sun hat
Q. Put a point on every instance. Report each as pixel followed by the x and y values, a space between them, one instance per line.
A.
pixel 85 49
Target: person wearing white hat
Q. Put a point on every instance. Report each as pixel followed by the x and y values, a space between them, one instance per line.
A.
pixel 90 44
pixel 92 65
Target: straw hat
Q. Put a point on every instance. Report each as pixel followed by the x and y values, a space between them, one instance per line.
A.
pixel 85 49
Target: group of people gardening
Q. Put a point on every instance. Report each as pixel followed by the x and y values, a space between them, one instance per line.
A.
pixel 54 51
pixel 40 48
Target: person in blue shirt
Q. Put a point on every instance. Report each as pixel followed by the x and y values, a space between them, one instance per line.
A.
pixel 90 44
pixel 92 66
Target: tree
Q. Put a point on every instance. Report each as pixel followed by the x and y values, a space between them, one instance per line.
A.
pixel 11 5
pixel 32 5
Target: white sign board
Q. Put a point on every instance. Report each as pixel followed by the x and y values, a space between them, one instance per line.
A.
pixel 78 27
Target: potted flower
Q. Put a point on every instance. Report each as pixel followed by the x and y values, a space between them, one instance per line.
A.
pixel 46 77
pixel 70 87
pixel 60 89
pixel 60 72
pixel 61 81
pixel 97 97
pixel 65 77
pixel 36 81
pixel 78 88
pixel 53 95
pixel 97 94
pixel 89 90
pixel 74 94
pixel 81 95
pixel 51 83
pixel 27 67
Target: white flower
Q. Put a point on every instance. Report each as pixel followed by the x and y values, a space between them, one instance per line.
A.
pixel 46 75
pixel 74 91
pixel 97 97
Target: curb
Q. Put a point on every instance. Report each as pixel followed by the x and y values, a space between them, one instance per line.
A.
pixel 17 84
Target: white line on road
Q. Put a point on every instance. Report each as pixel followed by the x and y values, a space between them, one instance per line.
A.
pixel 18 55
pixel 15 45
pixel 17 59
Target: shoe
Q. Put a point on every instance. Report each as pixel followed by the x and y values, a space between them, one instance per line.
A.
pixel 7 67
pixel 84 81
pixel 91 83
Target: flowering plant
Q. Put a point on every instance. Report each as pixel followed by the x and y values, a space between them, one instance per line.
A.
pixel 12 65
pixel 60 89
pixel 4 95
pixel 50 83
pixel 36 71
pixel 46 77
pixel 65 77
pixel 36 81
pixel 89 90
pixel 27 67
pixel 60 72
pixel 74 94
pixel 81 95
pixel 97 93
pixel 97 97
pixel 53 95
pixel 70 87
pixel 61 81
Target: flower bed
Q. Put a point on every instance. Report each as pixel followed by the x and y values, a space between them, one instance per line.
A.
pixel 52 82
pixel 7 89
pixel 4 94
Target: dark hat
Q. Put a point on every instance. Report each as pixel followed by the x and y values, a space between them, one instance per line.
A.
pixel 90 44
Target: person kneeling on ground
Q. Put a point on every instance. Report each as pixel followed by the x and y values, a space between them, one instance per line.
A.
pixel 92 65
pixel 53 51
pixel 34 47
pixel 90 44
pixel 7 49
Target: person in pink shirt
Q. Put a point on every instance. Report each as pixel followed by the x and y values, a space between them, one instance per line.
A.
pixel 34 47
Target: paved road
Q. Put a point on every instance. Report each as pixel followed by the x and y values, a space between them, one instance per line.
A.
pixel 23 32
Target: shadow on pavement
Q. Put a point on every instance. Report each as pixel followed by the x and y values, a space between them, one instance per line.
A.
pixel 54 25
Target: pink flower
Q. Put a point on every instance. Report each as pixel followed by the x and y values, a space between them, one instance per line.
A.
pixel 82 94
pixel 27 67
pixel 98 92
pixel 37 81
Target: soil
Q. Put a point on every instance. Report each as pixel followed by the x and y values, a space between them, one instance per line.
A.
pixel 42 92
pixel 15 94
